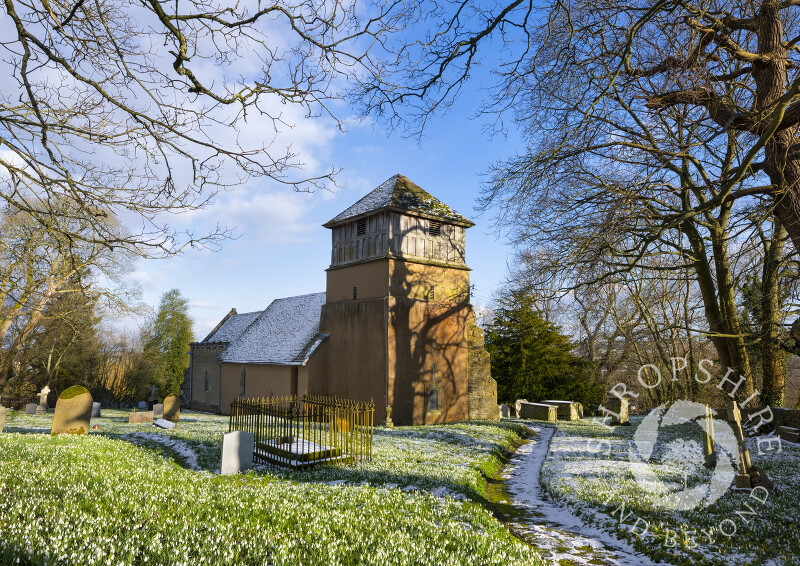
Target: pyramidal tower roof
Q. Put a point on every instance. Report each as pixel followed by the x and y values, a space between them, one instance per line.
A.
pixel 399 194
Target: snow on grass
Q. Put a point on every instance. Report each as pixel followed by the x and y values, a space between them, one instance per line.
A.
pixel 600 486
pixel 130 494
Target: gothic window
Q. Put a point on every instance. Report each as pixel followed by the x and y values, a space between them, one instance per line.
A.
pixel 242 381
pixel 206 382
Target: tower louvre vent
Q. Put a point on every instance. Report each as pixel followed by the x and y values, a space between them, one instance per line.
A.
pixel 361 227
pixel 436 228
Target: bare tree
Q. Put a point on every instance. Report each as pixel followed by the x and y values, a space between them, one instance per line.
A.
pixel 135 109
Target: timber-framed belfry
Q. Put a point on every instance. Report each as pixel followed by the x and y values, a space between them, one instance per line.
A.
pixel 393 326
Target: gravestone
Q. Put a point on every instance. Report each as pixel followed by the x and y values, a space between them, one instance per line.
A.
pixel 237 452
pixel 505 411
pixel 516 406
pixel 140 417
pixel 389 422
pixel 2 417
pixel 158 410
pixel 567 410
pixel 95 410
pixel 162 423
pixel 43 399
pixel 30 408
pixel 172 408
pixel 617 409
pixel 73 411
pixel 142 404
pixel 538 411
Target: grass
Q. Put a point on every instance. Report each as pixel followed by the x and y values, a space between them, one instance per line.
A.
pixel 596 485
pixel 131 495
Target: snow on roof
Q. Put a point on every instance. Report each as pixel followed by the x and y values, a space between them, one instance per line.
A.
pixel 400 193
pixel 285 333
pixel 232 328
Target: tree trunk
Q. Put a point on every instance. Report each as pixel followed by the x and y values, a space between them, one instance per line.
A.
pixel 772 354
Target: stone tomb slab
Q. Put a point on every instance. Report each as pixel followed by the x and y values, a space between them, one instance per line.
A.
pixel 140 417
pixel 567 410
pixel 237 452
pixel 538 411
pixel 73 411
pixel 788 433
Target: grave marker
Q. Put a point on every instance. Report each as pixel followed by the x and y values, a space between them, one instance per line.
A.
pixel 567 410
pixel 172 408
pixel 617 409
pixel 158 410
pixel 539 411
pixel 516 406
pixel 749 476
pixel 237 452
pixel 43 399
pixel 709 444
pixel 95 410
pixel 163 423
pixel 505 411
pixel 73 411
pixel 140 417
pixel 2 417
pixel 30 408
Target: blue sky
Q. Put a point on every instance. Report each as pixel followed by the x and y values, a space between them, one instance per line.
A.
pixel 283 250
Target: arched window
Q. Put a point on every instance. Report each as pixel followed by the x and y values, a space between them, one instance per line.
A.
pixel 206 382
pixel 242 381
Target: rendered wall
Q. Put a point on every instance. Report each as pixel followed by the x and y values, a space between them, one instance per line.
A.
pixel 371 278
pixel 261 380
pixel 205 359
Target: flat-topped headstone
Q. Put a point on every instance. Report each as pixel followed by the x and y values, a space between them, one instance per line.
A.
pixel 140 417
pixel 516 406
pixel 30 408
pixel 163 423
pixel 172 408
pixel 95 410
pixel 567 410
pixel 538 411
pixel 142 404
pixel 158 410
pixel 617 409
pixel 73 411
pixel 237 452
pixel 2 417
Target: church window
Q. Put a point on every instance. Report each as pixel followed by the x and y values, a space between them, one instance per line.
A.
pixel 355 293
pixel 361 227
pixel 436 228
pixel 206 382
pixel 242 379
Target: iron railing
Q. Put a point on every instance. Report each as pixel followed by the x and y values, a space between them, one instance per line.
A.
pixel 302 431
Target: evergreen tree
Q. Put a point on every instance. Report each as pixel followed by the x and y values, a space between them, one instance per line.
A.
pixel 166 339
pixel 531 359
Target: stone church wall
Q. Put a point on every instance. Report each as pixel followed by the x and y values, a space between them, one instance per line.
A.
pixel 482 387
pixel 205 362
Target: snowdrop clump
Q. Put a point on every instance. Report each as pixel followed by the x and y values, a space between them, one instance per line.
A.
pixel 125 496
pixel 588 470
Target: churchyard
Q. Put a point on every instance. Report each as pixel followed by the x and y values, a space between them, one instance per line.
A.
pixel 130 493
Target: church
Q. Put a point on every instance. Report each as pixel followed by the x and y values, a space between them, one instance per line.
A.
pixel 394 325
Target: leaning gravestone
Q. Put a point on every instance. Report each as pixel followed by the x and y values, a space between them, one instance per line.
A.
pixel 95 410
pixel 73 411
pixel 617 409
pixel 162 423
pixel 538 411
pixel 2 417
pixel 172 408
pixel 158 410
pixel 30 408
pixel 237 452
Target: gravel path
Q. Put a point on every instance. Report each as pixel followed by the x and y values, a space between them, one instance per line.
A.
pixel 555 530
